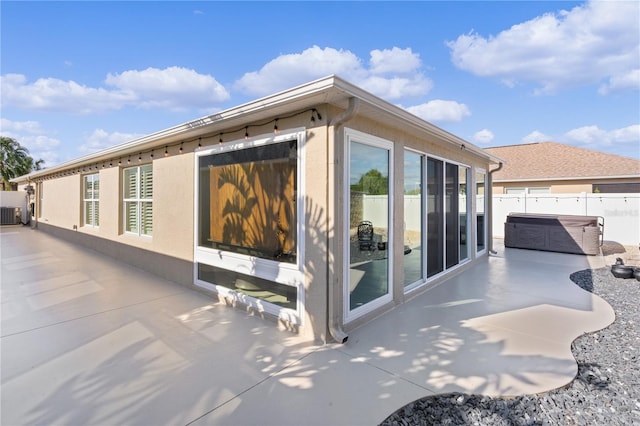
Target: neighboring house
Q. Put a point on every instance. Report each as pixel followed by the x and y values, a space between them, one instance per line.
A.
pixel 268 205
pixel 550 167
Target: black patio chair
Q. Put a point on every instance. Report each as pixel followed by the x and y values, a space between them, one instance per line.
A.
pixel 365 235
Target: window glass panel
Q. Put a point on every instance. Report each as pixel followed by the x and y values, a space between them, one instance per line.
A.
pixel 88 212
pixel 96 213
pixel 130 182
pixel 515 190
pixel 435 217
pixel 463 206
pixel 369 218
pixel 413 217
pixel 96 187
pixel 138 194
pixel 131 216
pixel 480 208
pixel 91 195
pixel 146 221
pixel 539 190
pixel 452 217
pixel 279 294
pixel 248 201
pixel 87 187
pixel 146 182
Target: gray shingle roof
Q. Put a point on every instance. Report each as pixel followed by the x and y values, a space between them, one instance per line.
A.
pixel 544 160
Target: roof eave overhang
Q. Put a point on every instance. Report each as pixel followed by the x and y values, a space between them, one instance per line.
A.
pixel 328 90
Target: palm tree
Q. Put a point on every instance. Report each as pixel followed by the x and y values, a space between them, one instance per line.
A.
pixel 15 161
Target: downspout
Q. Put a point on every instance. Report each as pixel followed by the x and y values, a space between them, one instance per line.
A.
pixel 490 207
pixel 335 326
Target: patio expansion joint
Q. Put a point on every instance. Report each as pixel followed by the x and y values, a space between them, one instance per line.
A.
pixel 258 383
pixel 391 373
pixel 91 315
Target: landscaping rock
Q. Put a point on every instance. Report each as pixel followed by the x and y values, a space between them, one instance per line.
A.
pixel 606 390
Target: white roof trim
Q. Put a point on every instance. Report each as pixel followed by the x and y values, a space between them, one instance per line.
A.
pixel 325 90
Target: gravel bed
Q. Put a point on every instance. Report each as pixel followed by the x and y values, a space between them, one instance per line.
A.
pixel 606 390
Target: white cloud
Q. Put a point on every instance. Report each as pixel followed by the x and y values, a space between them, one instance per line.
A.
pixel 394 60
pixel 630 80
pixel 536 136
pixel 51 94
pixel 440 110
pixel 101 139
pixel 593 136
pixel 624 141
pixel 173 87
pixel 400 66
pixel 170 88
pixel 8 126
pixel 32 136
pixel 591 43
pixel 483 137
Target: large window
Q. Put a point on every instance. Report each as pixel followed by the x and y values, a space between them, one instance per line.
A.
pixel 91 199
pixel 138 199
pixel 248 235
pixel 247 201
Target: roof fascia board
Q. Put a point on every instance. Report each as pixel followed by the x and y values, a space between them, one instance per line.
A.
pixel 207 124
pixel 413 120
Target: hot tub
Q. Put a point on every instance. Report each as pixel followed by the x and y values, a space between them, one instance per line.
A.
pixel 561 233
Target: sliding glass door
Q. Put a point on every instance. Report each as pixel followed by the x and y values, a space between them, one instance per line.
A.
pixel 480 211
pixel 435 217
pixel 413 218
pixel 369 218
pixel 447 215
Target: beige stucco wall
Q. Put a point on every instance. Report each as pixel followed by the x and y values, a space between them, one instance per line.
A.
pixel 172 205
pixel 61 202
pixel 324 224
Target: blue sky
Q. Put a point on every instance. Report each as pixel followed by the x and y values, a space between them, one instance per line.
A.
pixel 77 77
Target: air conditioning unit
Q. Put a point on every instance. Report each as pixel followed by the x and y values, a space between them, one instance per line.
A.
pixel 10 215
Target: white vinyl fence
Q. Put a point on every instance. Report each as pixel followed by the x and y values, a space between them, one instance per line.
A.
pixel 621 212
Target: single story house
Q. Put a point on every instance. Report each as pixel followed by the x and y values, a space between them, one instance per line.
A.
pixel 321 207
pixel 555 168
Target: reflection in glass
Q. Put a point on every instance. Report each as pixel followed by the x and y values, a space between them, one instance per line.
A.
pixel 279 294
pixel 451 212
pixel 480 207
pixel 463 205
pixel 435 217
pixel 247 201
pixel 369 203
pixel 413 223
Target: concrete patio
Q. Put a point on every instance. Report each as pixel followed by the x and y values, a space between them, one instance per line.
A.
pixel 87 340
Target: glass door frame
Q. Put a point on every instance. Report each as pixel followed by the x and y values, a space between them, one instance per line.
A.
pixel 475 173
pixel 351 136
pixel 469 231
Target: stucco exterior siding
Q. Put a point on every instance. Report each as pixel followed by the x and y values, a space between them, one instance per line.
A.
pixel 173 206
pixel 321 287
pixel 61 202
